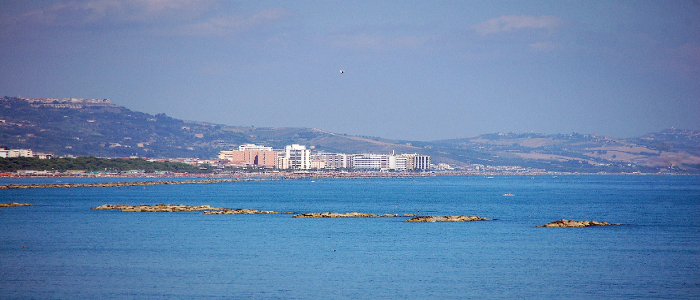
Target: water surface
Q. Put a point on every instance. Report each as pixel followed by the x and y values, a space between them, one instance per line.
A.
pixel 75 252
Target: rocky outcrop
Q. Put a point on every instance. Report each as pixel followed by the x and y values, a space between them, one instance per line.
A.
pixel 572 223
pixel 240 211
pixel 342 215
pixel 13 204
pixel 158 207
pixel 447 219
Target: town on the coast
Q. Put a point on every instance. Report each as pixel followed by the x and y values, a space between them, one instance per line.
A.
pixel 298 157
pixel 59 134
pixel 295 158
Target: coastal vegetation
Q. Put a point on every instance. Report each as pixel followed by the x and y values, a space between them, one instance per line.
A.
pixel 94 164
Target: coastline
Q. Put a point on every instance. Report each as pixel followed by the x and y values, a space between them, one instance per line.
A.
pixel 219 178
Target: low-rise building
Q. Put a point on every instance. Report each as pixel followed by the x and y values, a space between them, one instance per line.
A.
pixel 250 155
pixel 20 153
pixel 330 160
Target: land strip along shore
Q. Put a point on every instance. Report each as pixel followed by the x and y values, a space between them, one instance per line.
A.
pixel 132 183
pixel 243 177
pixel 254 177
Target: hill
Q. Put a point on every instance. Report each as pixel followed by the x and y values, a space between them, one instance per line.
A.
pixel 671 150
pixel 85 127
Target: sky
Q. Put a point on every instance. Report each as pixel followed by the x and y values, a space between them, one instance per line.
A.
pixel 413 70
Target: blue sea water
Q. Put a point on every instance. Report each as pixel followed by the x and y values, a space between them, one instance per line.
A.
pixel 73 252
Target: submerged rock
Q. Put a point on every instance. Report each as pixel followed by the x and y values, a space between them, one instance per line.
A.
pixel 447 219
pixel 13 204
pixel 572 223
pixel 157 207
pixel 341 215
pixel 240 211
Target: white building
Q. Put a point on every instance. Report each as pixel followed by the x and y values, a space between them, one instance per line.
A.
pixel 330 160
pixel 20 153
pixel 372 161
pixel 253 147
pixel 416 161
pixel 294 157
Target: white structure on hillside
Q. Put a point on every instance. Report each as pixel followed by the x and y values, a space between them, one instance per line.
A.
pixel 20 153
pixel 12 153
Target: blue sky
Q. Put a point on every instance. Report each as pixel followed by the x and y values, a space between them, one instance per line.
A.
pixel 414 70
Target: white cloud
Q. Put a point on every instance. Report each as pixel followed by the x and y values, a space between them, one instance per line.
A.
pixel 510 23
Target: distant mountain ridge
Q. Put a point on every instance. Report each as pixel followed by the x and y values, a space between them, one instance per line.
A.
pixel 96 127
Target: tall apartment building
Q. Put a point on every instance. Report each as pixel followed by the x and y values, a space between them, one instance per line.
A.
pixel 416 161
pixel 295 157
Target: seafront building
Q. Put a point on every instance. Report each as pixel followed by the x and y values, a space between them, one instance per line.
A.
pixel 297 157
pixel 372 161
pixel 250 155
pixel 325 160
pixel 12 153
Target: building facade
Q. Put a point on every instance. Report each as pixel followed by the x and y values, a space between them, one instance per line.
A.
pixel 330 160
pixel 250 155
pixel 295 157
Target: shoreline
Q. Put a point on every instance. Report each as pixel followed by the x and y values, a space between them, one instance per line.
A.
pixel 220 178
pixel 127 184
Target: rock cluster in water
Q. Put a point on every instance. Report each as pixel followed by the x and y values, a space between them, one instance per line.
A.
pixel 572 223
pixel 158 207
pixel 240 211
pixel 344 215
pixel 12 204
pixel 446 219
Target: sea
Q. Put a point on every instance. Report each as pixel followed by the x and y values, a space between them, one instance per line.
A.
pixel 62 249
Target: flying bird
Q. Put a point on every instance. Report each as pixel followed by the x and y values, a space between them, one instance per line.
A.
pixel 341 71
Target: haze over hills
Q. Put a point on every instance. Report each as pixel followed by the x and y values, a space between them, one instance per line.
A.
pixel 85 127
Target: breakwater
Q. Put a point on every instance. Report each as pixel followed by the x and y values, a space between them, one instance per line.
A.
pixel 461 218
pixel 345 215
